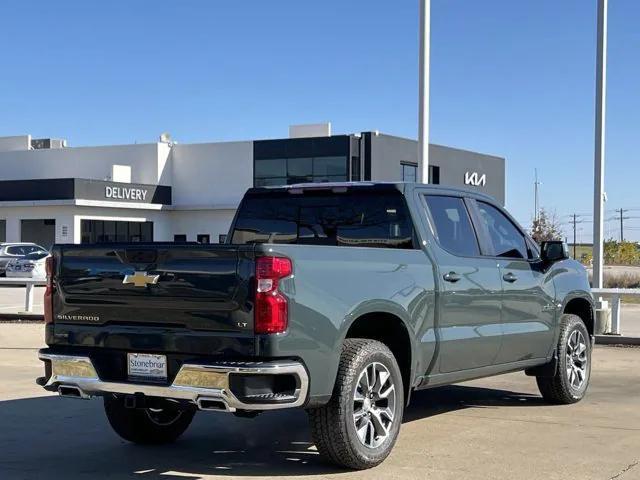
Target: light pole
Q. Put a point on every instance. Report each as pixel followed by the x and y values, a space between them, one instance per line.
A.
pixel 423 91
pixel 536 207
pixel 598 192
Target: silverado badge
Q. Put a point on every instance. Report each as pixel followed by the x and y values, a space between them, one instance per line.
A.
pixel 141 279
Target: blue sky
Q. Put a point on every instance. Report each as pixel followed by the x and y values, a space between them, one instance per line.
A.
pixel 512 78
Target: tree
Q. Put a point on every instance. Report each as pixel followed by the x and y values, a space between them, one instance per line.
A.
pixel 546 227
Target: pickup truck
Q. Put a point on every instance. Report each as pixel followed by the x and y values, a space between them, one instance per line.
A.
pixel 340 299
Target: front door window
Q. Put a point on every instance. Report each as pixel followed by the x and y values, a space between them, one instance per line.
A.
pixel 506 239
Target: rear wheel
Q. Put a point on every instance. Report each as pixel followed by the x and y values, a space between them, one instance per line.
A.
pixel 359 426
pixel 570 380
pixel 147 425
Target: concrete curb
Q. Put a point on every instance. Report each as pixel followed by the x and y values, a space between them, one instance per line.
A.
pixel 21 318
pixel 617 340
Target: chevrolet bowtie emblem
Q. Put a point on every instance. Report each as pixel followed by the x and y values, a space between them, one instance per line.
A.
pixel 141 279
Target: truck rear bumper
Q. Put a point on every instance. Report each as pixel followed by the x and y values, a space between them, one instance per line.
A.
pixel 224 386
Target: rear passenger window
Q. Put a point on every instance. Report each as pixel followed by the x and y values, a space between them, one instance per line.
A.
pixel 507 240
pixel 350 219
pixel 452 225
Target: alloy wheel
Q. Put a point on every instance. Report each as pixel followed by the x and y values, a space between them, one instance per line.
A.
pixel 577 360
pixel 374 403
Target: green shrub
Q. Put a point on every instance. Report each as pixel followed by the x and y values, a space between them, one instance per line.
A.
pixel 621 253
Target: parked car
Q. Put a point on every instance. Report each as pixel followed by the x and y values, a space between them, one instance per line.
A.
pixel 338 298
pixel 31 265
pixel 13 251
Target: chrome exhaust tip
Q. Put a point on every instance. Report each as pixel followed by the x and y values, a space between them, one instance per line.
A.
pixel 212 404
pixel 71 391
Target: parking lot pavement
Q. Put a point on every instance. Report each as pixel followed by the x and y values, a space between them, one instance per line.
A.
pixel 497 428
pixel 12 299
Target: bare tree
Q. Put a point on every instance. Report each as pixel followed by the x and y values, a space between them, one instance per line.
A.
pixel 546 227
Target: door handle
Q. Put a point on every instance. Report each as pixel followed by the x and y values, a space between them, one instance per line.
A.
pixel 509 277
pixel 452 277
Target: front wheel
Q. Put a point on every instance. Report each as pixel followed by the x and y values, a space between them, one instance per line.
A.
pixel 569 382
pixel 359 426
pixel 147 425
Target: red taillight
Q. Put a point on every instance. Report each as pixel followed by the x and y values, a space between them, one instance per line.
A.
pixel 271 310
pixel 50 267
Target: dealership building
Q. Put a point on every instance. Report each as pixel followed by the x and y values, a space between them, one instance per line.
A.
pixel 167 191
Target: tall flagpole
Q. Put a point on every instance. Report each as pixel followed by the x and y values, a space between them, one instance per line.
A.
pixel 423 91
pixel 599 160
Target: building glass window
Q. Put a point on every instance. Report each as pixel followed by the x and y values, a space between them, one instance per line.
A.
pixel 355 169
pixel 434 174
pixel 271 168
pixel 329 169
pixel 180 238
pixel 299 170
pixel 288 171
pixel 410 173
pixel 135 232
pixel 204 238
pixel 108 231
pixel 122 232
pixel 3 231
pixel 146 232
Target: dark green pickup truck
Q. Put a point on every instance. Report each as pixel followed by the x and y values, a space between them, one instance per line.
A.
pixel 338 298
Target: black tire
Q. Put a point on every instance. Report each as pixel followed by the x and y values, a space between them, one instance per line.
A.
pixel 333 427
pixel 147 426
pixel 563 387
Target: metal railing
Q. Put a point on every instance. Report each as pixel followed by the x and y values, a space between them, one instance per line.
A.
pixel 615 295
pixel 29 283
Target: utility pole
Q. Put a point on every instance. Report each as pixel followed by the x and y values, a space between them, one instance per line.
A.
pixel 574 236
pixel 423 91
pixel 599 161
pixel 621 226
pixel 622 219
pixel 575 222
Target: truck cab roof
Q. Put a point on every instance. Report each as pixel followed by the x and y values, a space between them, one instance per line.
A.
pixel 404 187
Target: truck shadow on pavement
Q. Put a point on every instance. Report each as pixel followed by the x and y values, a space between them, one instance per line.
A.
pixel 49 437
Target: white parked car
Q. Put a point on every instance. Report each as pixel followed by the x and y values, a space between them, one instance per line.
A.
pixel 14 251
pixel 31 265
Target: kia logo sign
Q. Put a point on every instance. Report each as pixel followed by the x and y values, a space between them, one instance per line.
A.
pixel 473 178
pixel 125 193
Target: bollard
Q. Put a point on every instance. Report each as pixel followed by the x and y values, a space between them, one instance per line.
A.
pixel 603 317
pixel 615 315
pixel 28 300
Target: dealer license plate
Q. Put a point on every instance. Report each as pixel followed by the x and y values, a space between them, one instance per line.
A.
pixel 144 366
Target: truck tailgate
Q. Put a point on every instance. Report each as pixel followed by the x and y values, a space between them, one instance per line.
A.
pixel 157 295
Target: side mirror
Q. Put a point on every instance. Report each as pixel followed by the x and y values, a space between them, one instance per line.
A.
pixel 554 251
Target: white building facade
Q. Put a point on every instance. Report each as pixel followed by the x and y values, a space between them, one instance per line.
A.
pixel 50 193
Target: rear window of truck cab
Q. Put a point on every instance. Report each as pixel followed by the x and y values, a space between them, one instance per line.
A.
pixel 351 218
